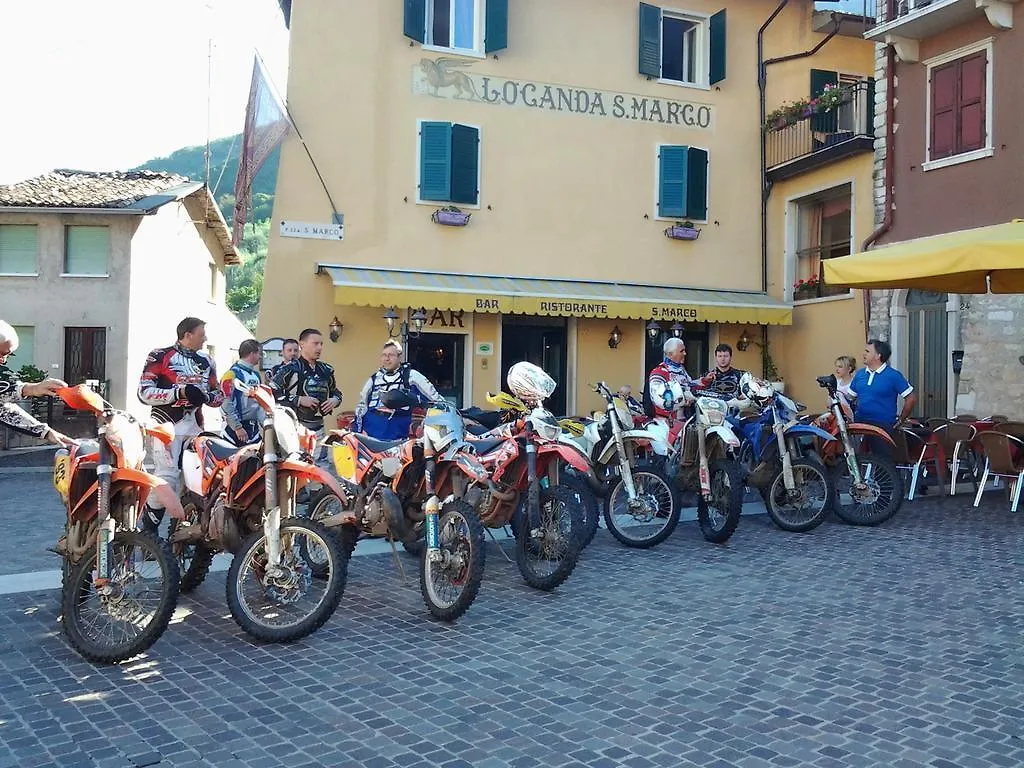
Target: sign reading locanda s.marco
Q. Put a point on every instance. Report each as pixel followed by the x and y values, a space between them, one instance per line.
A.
pixel 447 78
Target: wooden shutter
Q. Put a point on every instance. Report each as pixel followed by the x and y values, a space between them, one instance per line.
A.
pixel 415 22
pixel 496 26
pixel 828 122
pixel 435 161
pixel 672 168
pixel 465 164
pixel 650 40
pixel 697 184
pixel 87 250
pixel 869 127
pixel 943 111
pixel 971 102
pixel 716 72
pixel 19 249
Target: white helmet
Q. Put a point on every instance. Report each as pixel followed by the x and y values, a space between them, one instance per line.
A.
pixel 530 383
pixel 757 391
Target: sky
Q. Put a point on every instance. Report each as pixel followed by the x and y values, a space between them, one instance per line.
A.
pixel 110 84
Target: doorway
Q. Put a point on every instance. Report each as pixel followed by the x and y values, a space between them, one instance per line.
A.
pixel 85 356
pixel 695 336
pixel 927 351
pixel 441 358
pixel 541 341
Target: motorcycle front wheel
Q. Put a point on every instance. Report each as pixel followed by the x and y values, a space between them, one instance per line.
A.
pixel 547 550
pixel 719 517
pixel 125 618
pixel 878 497
pixel 808 504
pixel 588 503
pixel 274 607
pixel 450 585
pixel 652 518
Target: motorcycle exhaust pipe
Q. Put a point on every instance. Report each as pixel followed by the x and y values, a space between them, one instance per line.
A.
pixel 396 516
pixel 499 494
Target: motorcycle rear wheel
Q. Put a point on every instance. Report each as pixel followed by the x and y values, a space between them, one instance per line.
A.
pixel 806 472
pixel 561 520
pixel 468 544
pixel 884 483
pixel 250 560
pixel 728 489
pixel 194 560
pixel 95 645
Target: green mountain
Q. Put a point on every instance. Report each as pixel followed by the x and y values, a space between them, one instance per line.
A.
pixel 245 282
pixel 224 154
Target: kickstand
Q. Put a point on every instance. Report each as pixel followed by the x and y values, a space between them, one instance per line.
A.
pixel 490 532
pixel 398 560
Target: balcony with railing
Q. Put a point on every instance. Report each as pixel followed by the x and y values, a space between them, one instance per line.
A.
pixel 809 134
pixel 920 19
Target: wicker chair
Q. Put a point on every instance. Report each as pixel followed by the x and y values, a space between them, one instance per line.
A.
pixel 998 418
pixel 915 451
pixel 1004 457
pixel 955 438
pixel 967 417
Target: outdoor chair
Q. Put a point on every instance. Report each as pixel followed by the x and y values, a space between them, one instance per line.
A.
pixel 915 450
pixel 998 418
pixel 967 417
pixel 1015 428
pixel 955 438
pixel 1004 457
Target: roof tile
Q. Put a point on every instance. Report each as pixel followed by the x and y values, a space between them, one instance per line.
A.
pixel 63 188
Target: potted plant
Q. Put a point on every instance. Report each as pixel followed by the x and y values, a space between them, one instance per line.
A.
pixel 792 112
pixel 450 216
pixel 771 372
pixel 682 230
pixel 806 289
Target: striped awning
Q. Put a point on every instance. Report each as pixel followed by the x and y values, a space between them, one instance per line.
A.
pixel 385 287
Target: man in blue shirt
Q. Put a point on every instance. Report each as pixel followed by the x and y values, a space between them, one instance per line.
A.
pixel 877 389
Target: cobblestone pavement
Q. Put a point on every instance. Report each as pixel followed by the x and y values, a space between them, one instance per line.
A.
pixel 898 646
pixel 32 519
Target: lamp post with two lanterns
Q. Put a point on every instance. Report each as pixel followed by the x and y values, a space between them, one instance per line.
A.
pixel 409 328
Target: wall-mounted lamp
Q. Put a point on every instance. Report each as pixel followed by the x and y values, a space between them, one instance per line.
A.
pixel 677 330
pixel 614 337
pixel 653 331
pixel 391 317
pixel 336 327
pixel 743 341
pixel 419 319
pixel 958 361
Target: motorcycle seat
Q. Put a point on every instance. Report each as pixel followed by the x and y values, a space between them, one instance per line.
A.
pixel 221 449
pixel 486 446
pixel 489 419
pixel 378 446
pixel 476 429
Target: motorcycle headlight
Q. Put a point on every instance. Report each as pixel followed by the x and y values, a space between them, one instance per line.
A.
pixel 286 431
pixel 125 436
pixel 711 411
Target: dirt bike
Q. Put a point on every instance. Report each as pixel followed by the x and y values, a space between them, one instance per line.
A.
pixel 524 459
pixel 126 580
pixel 641 506
pixel 412 491
pixel 797 489
pixel 870 481
pixel 699 460
pixel 242 500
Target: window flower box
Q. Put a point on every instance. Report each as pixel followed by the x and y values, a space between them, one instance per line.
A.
pixel 450 216
pixel 682 231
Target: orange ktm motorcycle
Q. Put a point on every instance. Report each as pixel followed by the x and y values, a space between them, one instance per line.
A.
pixel 242 501
pixel 413 491
pixel 120 585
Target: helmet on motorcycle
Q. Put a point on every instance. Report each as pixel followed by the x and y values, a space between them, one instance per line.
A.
pixel 757 391
pixel 530 383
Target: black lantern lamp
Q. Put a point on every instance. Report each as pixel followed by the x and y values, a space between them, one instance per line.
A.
pixel 336 327
pixel 391 317
pixel 743 341
pixel 615 337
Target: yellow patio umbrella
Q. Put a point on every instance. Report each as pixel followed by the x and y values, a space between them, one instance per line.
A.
pixel 968 261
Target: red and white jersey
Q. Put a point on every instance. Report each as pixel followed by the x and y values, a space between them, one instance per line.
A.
pixel 169 368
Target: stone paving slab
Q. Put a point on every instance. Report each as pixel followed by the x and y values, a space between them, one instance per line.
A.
pixel 896 646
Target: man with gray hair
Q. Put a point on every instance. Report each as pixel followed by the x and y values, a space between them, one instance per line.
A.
pixel 659 399
pixel 11 389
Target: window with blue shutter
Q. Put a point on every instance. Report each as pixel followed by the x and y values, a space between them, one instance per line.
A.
pixel 462 25
pixel 496 26
pixel 680 47
pixel 716 43
pixel 86 250
pixel 650 40
pixel 415 21
pixel 19 249
pixel 449 163
pixel 682 182
pixel 825 122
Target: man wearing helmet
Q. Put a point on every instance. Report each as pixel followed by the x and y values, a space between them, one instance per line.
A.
pixel 385 423
pixel 668 384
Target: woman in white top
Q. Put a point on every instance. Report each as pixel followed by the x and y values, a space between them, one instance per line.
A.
pixel 844 368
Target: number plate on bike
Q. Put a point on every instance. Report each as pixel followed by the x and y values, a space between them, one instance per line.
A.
pixel 62 474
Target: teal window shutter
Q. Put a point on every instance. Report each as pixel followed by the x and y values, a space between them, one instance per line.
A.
pixel 650 40
pixel 496 26
pixel 672 167
pixel 716 72
pixel 26 354
pixel 19 249
pixel 828 121
pixel 415 23
pixel 465 164
pixel 697 184
pixel 435 161
pixel 86 250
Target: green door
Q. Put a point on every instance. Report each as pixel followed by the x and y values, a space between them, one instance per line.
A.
pixel 928 358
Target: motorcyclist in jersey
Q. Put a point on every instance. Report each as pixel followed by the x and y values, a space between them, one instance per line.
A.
pixel 12 389
pixel 722 381
pixel 177 381
pixel 242 414
pixel 379 421
pixel 668 371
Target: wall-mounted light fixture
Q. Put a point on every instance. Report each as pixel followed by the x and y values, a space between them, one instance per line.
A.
pixel 743 341
pixel 336 327
pixel 653 329
pixel 614 337
pixel 677 330
pixel 391 317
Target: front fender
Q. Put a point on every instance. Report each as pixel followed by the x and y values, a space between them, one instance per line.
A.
pixel 656 439
pixel 314 474
pixel 160 488
pixel 859 428
pixel 471 466
pixel 570 454
pixel 809 429
pixel 726 434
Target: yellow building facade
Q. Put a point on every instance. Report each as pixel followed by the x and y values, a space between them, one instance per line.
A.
pixel 560 182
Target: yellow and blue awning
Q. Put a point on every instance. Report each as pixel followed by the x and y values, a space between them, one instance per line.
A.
pixel 385 287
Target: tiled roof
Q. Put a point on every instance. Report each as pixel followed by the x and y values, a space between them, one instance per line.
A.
pixel 88 189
